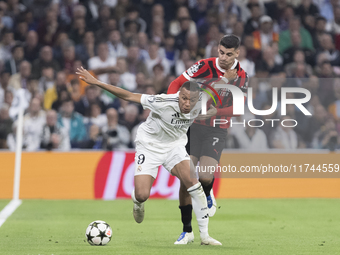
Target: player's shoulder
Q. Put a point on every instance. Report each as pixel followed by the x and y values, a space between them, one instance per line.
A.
pixel 168 96
pixel 204 61
pixel 240 71
pixel 160 98
pixel 200 67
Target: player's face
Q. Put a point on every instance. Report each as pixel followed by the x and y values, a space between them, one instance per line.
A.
pixel 226 57
pixel 187 100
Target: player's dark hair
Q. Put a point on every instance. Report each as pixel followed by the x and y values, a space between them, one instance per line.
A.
pixel 191 86
pixel 230 42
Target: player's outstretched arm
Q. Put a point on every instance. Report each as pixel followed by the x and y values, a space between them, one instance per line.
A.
pixel 119 92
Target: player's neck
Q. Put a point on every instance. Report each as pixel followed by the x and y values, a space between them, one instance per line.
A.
pixel 228 67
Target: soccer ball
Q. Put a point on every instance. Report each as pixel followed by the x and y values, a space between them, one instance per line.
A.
pixel 98 233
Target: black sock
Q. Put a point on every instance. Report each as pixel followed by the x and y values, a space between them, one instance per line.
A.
pixel 186 213
pixel 208 187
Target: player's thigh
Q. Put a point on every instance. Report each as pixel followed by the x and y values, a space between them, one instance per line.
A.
pixel 175 156
pixel 206 175
pixel 179 164
pixel 194 160
pixel 211 152
pixel 147 161
pixel 194 141
pixel 146 169
pixel 213 145
pixel 183 171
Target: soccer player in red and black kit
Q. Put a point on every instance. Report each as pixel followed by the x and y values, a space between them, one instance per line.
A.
pixel 205 139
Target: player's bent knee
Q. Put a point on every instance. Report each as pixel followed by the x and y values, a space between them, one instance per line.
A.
pixel 141 196
pixel 206 181
pixel 190 183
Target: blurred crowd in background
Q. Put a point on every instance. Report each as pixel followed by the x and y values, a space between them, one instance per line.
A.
pixel 143 45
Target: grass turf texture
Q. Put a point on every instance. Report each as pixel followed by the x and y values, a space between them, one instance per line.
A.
pixel 3 203
pixel 244 226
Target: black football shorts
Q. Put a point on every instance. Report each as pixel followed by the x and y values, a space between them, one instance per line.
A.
pixel 206 141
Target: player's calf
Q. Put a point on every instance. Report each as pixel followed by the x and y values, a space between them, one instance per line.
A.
pixel 207 185
pixel 138 208
pixel 199 204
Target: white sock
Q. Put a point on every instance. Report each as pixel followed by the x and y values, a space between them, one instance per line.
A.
pixel 200 206
pixel 134 198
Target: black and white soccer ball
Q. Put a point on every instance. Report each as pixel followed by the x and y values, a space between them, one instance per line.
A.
pixel 98 233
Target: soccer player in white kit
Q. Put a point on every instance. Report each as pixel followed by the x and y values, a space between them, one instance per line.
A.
pixel 161 140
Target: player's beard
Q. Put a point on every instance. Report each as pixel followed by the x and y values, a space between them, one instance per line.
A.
pixel 226 65
pixel 229 65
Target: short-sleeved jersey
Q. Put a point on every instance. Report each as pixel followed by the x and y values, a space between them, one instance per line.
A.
pixel 165 126
pixel 208 71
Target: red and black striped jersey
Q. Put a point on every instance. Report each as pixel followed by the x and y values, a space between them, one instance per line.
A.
pixel 207 71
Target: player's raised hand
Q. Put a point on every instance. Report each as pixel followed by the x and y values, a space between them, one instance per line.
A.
pixel 86 76
pixel 230 74
pixel 211 112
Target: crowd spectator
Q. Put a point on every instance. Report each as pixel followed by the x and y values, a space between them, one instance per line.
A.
pixel 334 108
pixel 247 65
pixel 12 65
pixel 94 140
pixel 328 49
pixel 5 125
pixel 83 106
pixel 45 59
pixel 6 44
pixel 116 47
pixel 250 137
pixel 72 122
pixel 103 60
pixel 96 117
pixel 265 34
pixel 132 19
pixel 53 135
pixel 284 137
pixel 130 117
pixel 155 58
pixel 34 121
pixel 4 79
pixel 127 79
pixel 115 136
pixel 327 137
pixel 253 23
pixel 135 64
pixel 285 40
pixel 52 93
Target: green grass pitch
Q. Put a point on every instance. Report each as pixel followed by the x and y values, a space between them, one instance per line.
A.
pixel 244 226
pixel 3 203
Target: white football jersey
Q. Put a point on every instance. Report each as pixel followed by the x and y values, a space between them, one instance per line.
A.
pixel 165 126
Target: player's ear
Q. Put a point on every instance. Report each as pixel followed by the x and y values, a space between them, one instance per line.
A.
pixel 237 52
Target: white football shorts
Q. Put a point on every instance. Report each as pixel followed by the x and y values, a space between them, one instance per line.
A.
pixel 148 161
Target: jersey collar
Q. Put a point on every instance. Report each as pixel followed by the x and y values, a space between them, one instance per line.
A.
pixel 222 70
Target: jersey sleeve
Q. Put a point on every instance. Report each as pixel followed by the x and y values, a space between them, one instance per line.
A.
pixel 156 103
pixel 198 70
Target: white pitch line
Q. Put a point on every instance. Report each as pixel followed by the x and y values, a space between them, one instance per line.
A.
pixel 8 210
